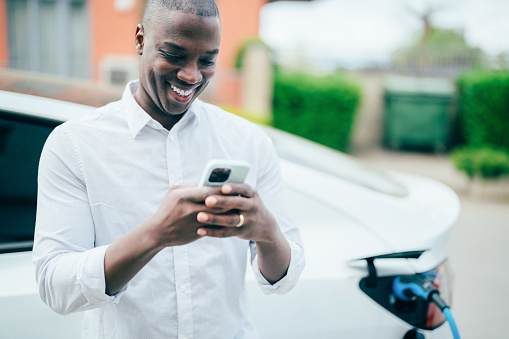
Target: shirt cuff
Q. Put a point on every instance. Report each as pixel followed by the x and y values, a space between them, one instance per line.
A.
pixel 286 283
pixel 92 280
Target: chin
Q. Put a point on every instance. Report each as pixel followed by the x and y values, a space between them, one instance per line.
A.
pixel 172 109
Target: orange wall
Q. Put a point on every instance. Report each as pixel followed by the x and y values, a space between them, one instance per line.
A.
pixel 240 20
pixel 4 38
pixel 112 32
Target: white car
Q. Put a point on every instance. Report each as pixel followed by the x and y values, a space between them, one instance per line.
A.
pixel 361 229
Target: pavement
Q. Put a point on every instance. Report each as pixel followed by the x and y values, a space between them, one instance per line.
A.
pixel 479 254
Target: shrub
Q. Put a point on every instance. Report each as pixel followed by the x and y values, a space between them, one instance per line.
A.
pixel 485 162
pixel 484 108
pixel 319 108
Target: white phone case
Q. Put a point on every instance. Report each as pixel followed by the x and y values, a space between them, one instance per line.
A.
pixel 220 171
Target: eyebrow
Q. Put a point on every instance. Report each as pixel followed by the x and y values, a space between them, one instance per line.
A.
pixel 180 48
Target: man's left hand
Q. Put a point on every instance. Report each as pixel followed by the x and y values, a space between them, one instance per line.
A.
pixel 241 212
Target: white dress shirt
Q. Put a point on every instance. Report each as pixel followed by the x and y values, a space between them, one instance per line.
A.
pixel 102 175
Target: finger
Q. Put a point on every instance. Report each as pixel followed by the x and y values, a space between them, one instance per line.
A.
pixel 223 232
pixel 177 187
pixel 236 188
pixel 228 220
pixel 198 194
pixel 227 203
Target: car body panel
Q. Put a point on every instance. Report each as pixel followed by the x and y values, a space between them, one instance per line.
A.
pixel 40 107
pixel 327 309
pixel 22 312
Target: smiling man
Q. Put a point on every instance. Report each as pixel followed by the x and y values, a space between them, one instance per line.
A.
pixel 123 232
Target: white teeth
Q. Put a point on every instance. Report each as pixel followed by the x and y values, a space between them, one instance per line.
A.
pixel 181 92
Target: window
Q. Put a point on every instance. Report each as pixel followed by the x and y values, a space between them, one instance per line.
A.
pixel 49 36
pixel 21 142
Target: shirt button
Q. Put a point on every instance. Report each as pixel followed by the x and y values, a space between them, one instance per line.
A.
pixel 172 137
pixel 183 288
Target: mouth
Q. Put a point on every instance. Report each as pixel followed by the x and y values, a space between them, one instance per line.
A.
pixel 185 94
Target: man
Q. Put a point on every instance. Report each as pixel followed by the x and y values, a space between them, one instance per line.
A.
pixel 124 233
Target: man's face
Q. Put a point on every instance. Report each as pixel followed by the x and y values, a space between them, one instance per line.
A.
pixel 178 56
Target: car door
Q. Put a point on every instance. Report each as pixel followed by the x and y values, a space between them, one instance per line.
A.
pixel 22 312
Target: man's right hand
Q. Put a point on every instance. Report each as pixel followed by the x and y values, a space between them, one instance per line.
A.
pixel 174 223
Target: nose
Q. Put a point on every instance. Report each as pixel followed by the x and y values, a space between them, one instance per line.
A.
pixel 190 73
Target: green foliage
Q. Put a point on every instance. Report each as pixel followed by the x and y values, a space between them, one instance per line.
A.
pixel 442 37
pixel 436 51
pixel 319 108
pixel 484 108
pixel 485 162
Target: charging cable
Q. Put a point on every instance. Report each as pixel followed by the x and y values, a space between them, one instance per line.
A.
pixel 405 287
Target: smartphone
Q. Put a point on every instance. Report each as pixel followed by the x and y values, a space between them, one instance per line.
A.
pixel 220 171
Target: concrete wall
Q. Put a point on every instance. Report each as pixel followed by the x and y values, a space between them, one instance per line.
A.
pixel 257 82
pixel 368 126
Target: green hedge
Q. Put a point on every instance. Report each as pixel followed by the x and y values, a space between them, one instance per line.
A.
pixel 319 108
pixel 485 162
pixel 484 108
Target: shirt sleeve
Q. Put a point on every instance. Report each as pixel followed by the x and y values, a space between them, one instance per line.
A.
pixel 269 186
pixel 69 270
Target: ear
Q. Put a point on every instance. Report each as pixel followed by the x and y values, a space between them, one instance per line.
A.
pixel 139 39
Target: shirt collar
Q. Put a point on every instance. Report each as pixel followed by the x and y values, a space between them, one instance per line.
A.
pixel 137 118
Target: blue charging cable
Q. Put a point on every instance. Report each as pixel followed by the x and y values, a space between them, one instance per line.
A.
pixel 405 288
pixel 448 315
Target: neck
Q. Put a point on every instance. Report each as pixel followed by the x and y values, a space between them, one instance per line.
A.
pixel 166 120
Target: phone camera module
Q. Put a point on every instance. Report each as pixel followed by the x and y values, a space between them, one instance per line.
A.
pixel 219 175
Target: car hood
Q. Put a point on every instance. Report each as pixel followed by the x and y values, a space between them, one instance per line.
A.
pixel 372 212
pixel 419 221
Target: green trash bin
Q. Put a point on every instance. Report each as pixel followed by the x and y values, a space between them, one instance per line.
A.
pixel 418 112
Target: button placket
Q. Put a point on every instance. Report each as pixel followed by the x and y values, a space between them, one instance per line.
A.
pixel 180 253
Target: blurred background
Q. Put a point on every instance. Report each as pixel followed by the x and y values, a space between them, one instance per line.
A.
pixel 420 86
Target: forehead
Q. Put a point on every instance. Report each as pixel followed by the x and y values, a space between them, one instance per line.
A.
pixel 175 26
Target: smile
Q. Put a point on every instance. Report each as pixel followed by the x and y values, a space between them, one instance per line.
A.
pixel 181 92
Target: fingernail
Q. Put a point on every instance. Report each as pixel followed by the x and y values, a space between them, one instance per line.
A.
pixel 202 217
pixel 227 189
pixel 201 232
pixel 210 201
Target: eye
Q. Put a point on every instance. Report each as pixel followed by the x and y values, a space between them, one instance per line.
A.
pixel 208 62
pixel 172 57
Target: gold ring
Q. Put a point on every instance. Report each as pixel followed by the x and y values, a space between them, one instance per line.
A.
pixel 241 222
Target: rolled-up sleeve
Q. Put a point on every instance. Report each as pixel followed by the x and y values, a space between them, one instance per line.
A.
pixel 270 188
pixel 69 270
pixel 292 275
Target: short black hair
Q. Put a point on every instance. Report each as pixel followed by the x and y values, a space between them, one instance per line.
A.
pixel 204 8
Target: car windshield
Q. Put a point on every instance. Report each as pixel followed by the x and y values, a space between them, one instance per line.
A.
pixel 324 159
